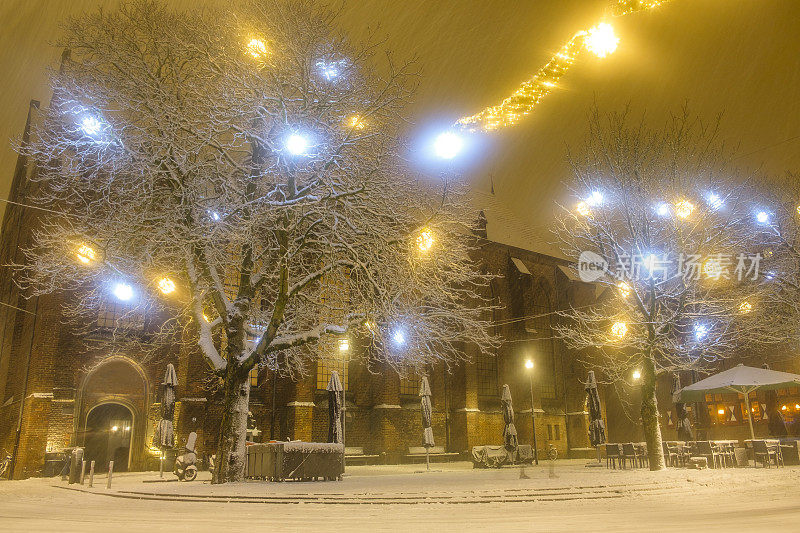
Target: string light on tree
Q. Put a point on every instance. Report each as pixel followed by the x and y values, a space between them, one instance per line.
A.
pixel 356 122
pixel 583 209
pixel 624 289
pixel 296 144
pixel 123 291
pixel 619 329
pixel 258 49
pixel 714 201
pixel 166 285
pixel 745 307
pixel 684 208
pixel 86 254
pixel 425 240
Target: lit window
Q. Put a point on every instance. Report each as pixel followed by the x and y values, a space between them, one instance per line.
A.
pixel 254 377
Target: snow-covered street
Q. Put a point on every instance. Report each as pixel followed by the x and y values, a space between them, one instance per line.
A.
pixel 404 498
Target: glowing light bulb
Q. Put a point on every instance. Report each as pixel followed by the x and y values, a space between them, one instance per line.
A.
pixel 745 307
pixel 425 240
pixel 399 338
pixel 583 209
pixel 166 285
pixel 636 374
pixel 448 145
pixel 662 209
pixel 344 345
pixel 619 329
pixel 700 331
pixel 123 291
pixel 684 208
pixel 114 428
pixel 296 144
pixel 85 254
pixel 595 199
pixel 714 201
pixel 528 364
pixel 721 411
pixel 624 289
pixel 601 40
pixel 91 126
pixel 257 48
pixel 762 217
pixel 356 122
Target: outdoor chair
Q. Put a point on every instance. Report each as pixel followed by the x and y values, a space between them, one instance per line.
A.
pixel 766 453
pixel 670 455
pixel 613 456
pixel 705 449
pixel 629 453
pixel 641 453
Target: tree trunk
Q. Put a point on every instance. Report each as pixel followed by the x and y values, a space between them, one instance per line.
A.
pixel 230 462
pixel 649 411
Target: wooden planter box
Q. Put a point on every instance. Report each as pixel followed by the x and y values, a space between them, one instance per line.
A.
pixel 306 461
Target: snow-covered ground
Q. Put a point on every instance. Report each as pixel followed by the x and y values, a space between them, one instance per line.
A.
pixel 405 498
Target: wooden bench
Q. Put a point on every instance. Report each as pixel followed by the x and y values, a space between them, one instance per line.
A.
pixel 417 453
pixel 355 455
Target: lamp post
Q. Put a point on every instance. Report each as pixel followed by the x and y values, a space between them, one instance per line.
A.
pixel 529 366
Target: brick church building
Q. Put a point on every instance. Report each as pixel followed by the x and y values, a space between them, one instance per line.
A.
pixel 60 389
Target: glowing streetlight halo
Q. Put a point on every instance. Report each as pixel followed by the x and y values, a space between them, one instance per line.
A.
pixel 636 374
pixel 344 345
pixel 684 208
pixel 762 217
pixel 91 126
pixel 448 145
pixel 85 254
pixel 257 48
pixel 529 364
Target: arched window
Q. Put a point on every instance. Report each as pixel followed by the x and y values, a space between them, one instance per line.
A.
pixel 539 324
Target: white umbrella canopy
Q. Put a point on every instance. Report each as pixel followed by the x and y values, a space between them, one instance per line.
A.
pixel 741 379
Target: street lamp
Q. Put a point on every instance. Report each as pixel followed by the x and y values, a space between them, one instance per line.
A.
pixel 637 374
pixel 448 145
pixel 296 144
pixel 529 367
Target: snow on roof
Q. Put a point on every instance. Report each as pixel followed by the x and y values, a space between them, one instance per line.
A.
pixel 504 227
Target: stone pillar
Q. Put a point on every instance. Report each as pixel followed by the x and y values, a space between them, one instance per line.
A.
pixel 300 409
pixel 384 416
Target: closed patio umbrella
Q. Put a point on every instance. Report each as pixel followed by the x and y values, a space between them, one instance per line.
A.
pixel 683 425
pixel 597 428
pixel 334 389
pixel 426 408
pixel 741 379
pixel 165 436
pixel 509 431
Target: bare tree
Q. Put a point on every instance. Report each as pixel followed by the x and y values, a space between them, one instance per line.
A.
pixel 671 229
pixel 782 231
pixel 241 172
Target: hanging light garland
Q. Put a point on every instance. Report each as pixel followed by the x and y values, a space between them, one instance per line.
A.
pixel 600 40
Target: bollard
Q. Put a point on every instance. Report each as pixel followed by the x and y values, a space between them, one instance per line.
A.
pixel 83 470
pixel 74 464
pixel 161 467
pixel 91 474
pixel 110 473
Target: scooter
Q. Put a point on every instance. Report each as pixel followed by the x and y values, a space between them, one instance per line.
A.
pixel 186 464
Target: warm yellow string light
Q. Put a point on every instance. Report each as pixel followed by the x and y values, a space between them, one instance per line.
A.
pixel 599 40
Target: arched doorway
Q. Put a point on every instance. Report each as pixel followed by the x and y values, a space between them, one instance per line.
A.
pixel 109 432
pixel 113 393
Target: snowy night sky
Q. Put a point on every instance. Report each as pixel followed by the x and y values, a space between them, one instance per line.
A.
pixel 737 57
